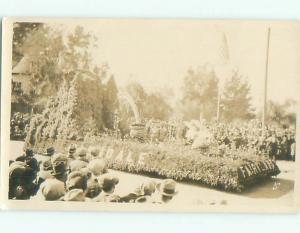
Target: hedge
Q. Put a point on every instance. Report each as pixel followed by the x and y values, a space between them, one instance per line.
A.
pixel 234 171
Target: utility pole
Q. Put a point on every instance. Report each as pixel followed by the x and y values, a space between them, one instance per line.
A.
pixel 264 115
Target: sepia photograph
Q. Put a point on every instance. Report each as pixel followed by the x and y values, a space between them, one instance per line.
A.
pixel 150 115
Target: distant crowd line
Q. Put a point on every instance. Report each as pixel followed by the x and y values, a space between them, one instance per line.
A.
pixel 274 141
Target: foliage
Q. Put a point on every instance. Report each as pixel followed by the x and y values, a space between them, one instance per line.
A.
pixel 200 91
pixel 149 105
pixel 51 57
pixel 110 103
pixel 157 107
pixel 20 33
pixel 75 112
pixel 281 113
pixel 236 100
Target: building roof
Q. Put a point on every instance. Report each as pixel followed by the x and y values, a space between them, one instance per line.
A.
pixel 23 67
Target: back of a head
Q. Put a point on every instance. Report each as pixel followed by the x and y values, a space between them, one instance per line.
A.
pixel 97 167
pixel 94 151
pixel 74 195
pixel 81 152
pixel 108 183
pixel 76 180
pixel 52 189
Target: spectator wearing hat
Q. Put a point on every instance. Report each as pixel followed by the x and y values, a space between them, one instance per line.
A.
pixel 107 185
pixel 76 180
pixel 28 152
pixel 59 171
pixel 59 163
pixel 291 149
pixel 97 167
pixel 273 147
pixel 166 191
pixel 77 165
pixel 52 190
pixel 50 151
pixel 71 151
pixel 28 158
pixel 93 153
pixel 46 172
pixel 93 188
pixel 59 158
pixel 21 175
pixel 74 195
pixel 141 193
pixel 80 161
pixel 81 154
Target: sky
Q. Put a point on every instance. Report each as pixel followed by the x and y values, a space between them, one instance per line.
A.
pixel 158 53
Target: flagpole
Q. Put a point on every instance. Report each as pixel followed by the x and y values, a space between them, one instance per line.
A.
pixel 264 115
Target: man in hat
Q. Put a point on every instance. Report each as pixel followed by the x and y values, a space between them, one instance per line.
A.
pixel 93 188
pixel 28 152
pixel 166 191
pixel 51 190
pixel 80 161
pixel 50 151
pixel 93 153
pixel 141 193
pixel 107 185
pixel 59 166
pixel 97 167
pixel 76 180
pixel 59 171
pixel 45 172
pixel 71 151
pixel 21 176
pixel 28 158
pixel 74 195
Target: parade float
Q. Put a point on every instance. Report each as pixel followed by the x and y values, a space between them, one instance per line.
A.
pixel 73 116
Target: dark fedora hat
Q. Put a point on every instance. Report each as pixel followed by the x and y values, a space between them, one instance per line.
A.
pixel 50 151
pixel 29 152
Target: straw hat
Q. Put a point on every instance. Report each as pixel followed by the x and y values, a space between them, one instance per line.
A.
pixel 52 189
pixel 74 195
pixel 167 188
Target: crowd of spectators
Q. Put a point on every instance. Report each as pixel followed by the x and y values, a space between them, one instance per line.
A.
pixel 19 124
pixel 79 175
pixel 272 140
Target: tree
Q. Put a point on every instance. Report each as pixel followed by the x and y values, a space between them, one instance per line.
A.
pixel 200 91
pixel 20 33
pixel 110 103
pixel 73 113
pixel 282 114
pixel 156 107
pixel 76 54
pixel 236 100
pixel 52 58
